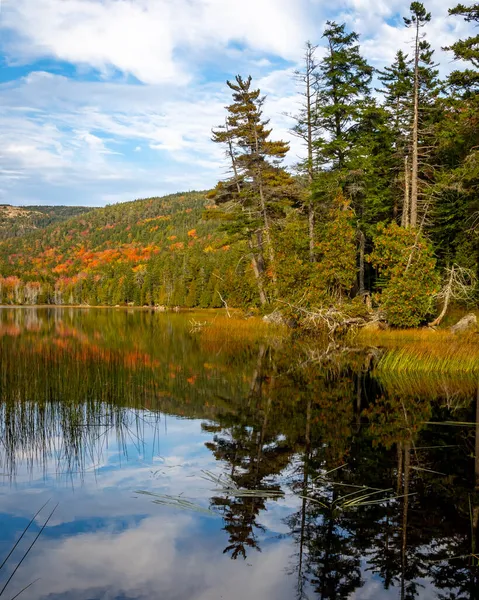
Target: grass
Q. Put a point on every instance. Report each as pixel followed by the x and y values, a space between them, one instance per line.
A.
pixel 425 351
pixel 456 387
pixel 26 552
pixel 219 329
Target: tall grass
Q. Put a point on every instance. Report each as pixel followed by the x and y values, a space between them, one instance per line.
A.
pixel 455 388
pixel 221 331
pixel 425 351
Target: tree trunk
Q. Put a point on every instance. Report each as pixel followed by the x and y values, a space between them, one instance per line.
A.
pixel 233 160
pixel 407 472
pixel 415 127
pixel 362 246
pixel 258 275
pixel 406 208
pixel 447 298
pixel 303 528
pixel 309 70
pixel 264 212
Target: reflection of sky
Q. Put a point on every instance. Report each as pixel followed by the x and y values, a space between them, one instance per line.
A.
pixel 107 541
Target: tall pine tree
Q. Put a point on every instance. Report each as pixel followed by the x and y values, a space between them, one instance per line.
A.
pixel 344 82
pixel 260 188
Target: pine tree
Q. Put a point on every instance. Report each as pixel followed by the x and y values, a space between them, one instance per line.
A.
pixel 344 81
pixel 259 188
pixel 467 50
pixel 418 19
pixel 397 92
pixel 456 213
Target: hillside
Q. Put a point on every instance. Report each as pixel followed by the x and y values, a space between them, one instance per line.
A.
pixel 152 251
pixel 17 221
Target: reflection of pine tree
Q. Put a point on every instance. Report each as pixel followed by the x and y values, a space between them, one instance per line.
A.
pixel 454 561
pixel 328 560
pixel 252 448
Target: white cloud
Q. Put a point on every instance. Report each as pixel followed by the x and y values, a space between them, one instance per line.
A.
pixel 71 140
pixel 145 38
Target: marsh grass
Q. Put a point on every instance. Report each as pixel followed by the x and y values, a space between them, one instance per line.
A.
pixel 178 502
pixel 225 485
pixel 360 496
pixel 425 351
pixel 455 389
pixel 219 333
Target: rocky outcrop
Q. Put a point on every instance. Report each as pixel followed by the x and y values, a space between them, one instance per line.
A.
pixel 466 324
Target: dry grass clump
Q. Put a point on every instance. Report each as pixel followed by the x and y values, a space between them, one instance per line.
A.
pixel 224 329
pixel 215 331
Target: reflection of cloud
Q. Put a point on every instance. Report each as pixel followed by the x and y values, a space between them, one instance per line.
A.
pixel 167 558
pixel 105 541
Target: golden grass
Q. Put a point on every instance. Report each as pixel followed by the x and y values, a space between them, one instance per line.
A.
pixel 217 330
pixel 394 337
pixel 455 387
pixel 427 351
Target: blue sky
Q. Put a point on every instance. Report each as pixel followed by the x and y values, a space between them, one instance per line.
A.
pixel 103 101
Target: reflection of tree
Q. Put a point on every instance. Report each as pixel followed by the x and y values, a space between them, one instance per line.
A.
pixel 252 447
pixel 389 448
pixel 266 412
pixel 456 561
pixel 328 560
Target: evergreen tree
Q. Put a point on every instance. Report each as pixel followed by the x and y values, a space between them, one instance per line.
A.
pixel 397 92
pixel 466 50
pixel 260 189
pixel 418 19
pixel 306 128
pixel 344 81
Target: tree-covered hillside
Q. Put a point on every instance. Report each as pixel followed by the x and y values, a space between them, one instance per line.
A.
pixel 153 251
pixel 16 221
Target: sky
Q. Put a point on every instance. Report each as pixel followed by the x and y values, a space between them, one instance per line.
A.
pixel 103 101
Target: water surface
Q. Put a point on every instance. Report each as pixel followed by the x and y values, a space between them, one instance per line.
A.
pixel 186 466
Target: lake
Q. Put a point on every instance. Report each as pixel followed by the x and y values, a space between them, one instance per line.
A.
pixel 163 456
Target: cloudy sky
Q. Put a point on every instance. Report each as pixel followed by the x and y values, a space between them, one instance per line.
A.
pixel 110 100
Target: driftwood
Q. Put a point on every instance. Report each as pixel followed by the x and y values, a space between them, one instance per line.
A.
pixel 460 285
pixel 332 319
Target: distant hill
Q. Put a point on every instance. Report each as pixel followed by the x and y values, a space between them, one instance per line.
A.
pixel 17 221
pixel 152 251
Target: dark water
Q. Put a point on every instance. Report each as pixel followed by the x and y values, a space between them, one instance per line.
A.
pixel 275 474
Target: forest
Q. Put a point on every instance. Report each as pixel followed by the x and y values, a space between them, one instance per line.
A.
pixel 381 215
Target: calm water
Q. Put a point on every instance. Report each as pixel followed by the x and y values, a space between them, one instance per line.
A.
pixel 183 467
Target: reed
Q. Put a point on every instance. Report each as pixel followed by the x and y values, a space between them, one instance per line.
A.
pixel 425 351
pixel 221 330
pixel 444 355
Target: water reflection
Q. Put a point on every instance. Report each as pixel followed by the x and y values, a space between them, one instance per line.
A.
pixel 379 475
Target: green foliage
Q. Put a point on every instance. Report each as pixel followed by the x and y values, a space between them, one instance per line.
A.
pixel 263 234
pixel 335 271
pixel 405 262
pixel 467 50
pixel 344 79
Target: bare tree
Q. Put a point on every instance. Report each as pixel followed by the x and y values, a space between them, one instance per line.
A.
pixel 305 127
pixel 460 285
pixel 419 18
